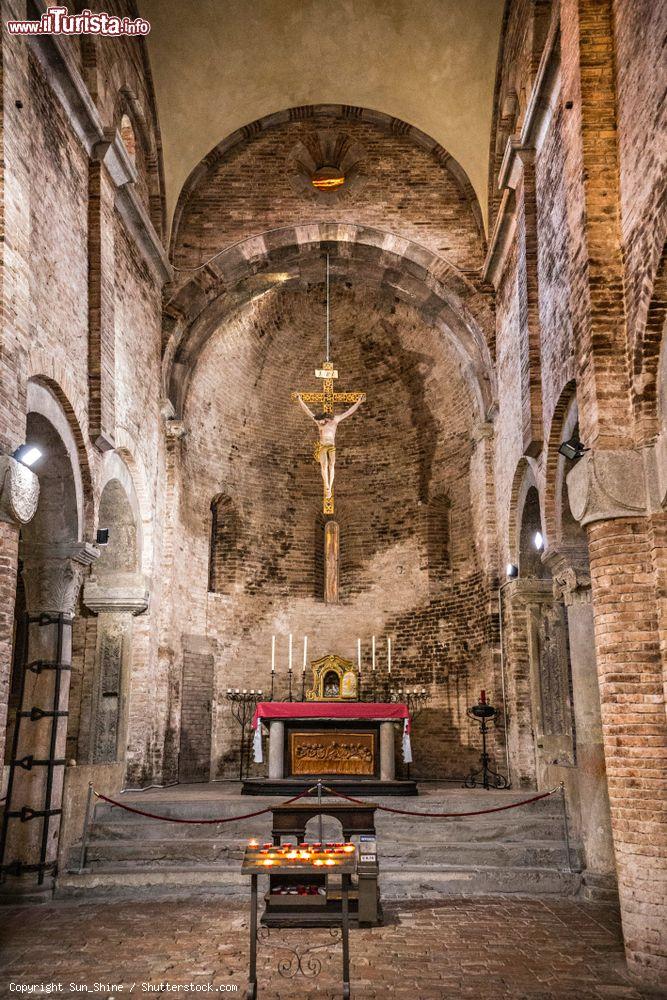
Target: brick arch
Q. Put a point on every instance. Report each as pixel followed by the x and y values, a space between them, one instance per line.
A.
pixel 646 358
pixel 43 369
pixel 447 299
pixel 555 464
pixel 243 136
pixel 524 479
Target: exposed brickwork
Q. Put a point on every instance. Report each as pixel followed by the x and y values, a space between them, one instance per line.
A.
pixel 633 719
pixel 433 473
pixel 405 191
pixel 257 448
pixel 524 949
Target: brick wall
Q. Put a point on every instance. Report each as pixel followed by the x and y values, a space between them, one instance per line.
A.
pixel 407 448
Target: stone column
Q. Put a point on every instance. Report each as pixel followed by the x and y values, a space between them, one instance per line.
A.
pixel 387 755
pixel 19 495
pixel 276 749
pixel 115 598
pixel 53 575
pixel 573 588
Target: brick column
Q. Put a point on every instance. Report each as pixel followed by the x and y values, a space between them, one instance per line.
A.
pixel 611 494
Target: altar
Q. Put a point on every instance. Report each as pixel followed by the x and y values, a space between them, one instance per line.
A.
pixel 349 745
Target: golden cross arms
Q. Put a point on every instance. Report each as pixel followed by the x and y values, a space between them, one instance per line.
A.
pixel 328 397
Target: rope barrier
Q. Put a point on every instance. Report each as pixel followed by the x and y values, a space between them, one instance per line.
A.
pixel 434 815
pixel 174 819
pixel 332 791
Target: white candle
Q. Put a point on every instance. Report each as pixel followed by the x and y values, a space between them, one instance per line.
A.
pixel 289 654
pixel 388 655
pixel 273 654
pixel 359 653
pixel 373 652
pixel 305 652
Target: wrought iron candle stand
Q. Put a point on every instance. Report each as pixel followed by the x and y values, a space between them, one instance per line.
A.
pixel 484 714
pixel 416 700
pixel 243 705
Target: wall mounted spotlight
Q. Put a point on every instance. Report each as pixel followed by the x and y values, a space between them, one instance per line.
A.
pixel 27 454
pixel 511 571
pixel 572 449
pixel 102 536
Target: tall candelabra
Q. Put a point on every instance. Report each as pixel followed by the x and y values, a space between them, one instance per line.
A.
pixel 416 699
pixel 483 713
pixel 243 705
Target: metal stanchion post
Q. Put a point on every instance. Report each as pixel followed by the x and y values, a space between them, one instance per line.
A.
pixel 566 829
pixel 86 826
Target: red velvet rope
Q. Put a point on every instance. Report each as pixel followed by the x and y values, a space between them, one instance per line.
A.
pixel 173 819
pixel 332 791
pixel 410 812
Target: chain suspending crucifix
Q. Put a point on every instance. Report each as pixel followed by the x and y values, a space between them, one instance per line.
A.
pixel 327 423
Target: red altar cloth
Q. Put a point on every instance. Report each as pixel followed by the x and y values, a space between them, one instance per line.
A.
pixel 377 711
pixel 380 711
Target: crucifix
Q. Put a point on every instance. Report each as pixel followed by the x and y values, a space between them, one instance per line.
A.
pixel 327 423
pixel 325 451
pixel 326 420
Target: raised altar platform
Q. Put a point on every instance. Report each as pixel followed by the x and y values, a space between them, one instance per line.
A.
pixel 349 745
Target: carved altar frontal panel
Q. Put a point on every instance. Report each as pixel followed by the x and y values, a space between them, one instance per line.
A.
pixel 329 752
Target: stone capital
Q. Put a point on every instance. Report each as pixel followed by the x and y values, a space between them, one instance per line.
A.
pixel 116 593
pixel 609 484
pixel 19 491
pixel 571 586
pixel 53 575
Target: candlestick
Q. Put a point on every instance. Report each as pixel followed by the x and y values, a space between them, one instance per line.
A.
pixel 273 654
pixel 305 652
pixel 388 655
pixel 289 654
pixel 359 653
pixel 482 697
pixel 373 652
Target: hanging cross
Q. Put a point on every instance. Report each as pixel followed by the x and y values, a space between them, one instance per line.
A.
pixel 327 400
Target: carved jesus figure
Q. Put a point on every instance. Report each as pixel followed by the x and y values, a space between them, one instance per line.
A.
pixel 325 449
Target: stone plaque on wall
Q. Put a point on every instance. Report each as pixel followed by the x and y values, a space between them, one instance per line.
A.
pixel 107 716
pixel 554 672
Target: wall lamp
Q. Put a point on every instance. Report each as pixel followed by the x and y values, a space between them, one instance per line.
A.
pixel 572 449
pixel 102 537
pixel 511 571
pixel 27 454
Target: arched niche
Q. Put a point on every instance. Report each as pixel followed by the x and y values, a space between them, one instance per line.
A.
pixel 225 527
pixel 59 517
pixel 120 516
pixel 114 593
pixel 531 539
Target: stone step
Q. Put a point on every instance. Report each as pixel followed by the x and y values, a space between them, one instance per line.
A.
pixel 531 853
pixel 396 882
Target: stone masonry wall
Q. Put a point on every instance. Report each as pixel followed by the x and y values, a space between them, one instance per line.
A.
pixel 408 444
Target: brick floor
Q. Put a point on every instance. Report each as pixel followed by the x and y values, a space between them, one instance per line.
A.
pixel 483 948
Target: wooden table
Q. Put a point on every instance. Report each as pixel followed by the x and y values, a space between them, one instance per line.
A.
pixel 291 820
pixel 274 861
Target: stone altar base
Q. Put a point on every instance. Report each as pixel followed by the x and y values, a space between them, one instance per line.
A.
pixel 363 788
